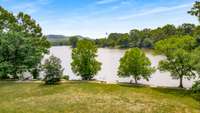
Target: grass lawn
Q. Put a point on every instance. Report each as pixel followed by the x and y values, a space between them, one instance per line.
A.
pixel 83 97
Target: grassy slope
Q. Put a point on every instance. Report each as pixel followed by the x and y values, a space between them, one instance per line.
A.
pixel 82 97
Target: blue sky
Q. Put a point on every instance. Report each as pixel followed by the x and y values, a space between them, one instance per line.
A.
pixel 93 18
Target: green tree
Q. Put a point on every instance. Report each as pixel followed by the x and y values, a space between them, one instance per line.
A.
pixel 53 70
pixel 169 30
pixel 186 29
pixel 27 28
pixel 73 41
pixel 179 61
pixel 102 42
pixel 135 63
pixel 157 34
pixel 84 63
pixel 7 20
pixel 135 38
pixel 196 34
pixel 113 38
pixel 123 40
pixel 147 43
pixel 17 54
pixel 195 11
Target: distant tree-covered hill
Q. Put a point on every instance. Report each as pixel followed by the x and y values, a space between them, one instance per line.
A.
pixel 57 40
pixel 56 37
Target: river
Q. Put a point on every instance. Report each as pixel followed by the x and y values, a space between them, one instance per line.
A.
pixel 110 62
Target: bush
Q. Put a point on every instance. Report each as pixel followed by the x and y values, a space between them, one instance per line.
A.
pixel 196 90
pixel 196 87
pixel 66 77
pixel 53 70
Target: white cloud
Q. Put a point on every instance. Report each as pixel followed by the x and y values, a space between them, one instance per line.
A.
pixel 155 10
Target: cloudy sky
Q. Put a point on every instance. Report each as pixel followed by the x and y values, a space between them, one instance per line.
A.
pixel 94 18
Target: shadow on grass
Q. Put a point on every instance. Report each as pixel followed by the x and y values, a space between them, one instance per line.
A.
pixel 173 90
pixel 132 85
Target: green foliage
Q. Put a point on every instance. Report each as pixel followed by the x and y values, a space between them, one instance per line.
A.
pixel 18 54
pixel 135 38
pixel 73 41
pixel 195 11
pixel 179 61
pixel 186 29
pixel 147 38
pixel 147 43
pixel 102 42
pixel 21 23
pixel 84 62
pixel 134 63
pixel 123 40
pixel 22 43
pixel 196 87
pixel 196 90
pixel 35 73
pixel 66 77
pixel 53 70
pixel 168 46
pixel 112 39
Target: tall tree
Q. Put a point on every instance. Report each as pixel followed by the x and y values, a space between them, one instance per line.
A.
pixel 134 63
pixel 179 61
pixel 84 63
pixel 17 54
pixel 27 28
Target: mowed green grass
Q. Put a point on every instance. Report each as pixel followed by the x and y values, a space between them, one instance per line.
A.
pixel 84 97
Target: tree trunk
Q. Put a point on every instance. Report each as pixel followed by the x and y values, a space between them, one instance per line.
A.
pixel 131 79
pixel 135 80
pixel 15 76
pixel 181 82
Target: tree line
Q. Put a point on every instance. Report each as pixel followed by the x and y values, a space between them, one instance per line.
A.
pixel 147 38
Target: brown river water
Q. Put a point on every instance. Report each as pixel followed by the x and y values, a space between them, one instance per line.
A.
pixel 110 62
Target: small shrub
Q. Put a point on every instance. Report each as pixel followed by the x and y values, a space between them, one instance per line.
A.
pixel 196 87
pixel 53 70
pixel 196 90
pixel 66 77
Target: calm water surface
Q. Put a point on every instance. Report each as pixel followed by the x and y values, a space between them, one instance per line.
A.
pixel 110 62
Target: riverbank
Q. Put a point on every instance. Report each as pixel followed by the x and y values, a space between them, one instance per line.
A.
pixel 86 97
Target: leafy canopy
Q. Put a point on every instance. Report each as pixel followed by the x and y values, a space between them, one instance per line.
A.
pixel 179 61
pixel 195 11
pixel 84 62
pixel 22 43
pixel 18 54
pixel 134 63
